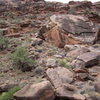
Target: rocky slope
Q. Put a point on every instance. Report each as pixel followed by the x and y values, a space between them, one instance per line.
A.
pixel 63 40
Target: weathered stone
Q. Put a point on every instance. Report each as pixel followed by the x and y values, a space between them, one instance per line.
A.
pixel 39 70
pixel 70 47
pixel 67 29
pixel 58 38
pixel 75 53
pixel 60 78
pixel 79 97
pixel 97 36
pixel 40 91
pixel 90 58
pixel 59 75
pixel 83 76
pixel 86 60
pixel 36 41
pixel 71 23
pixel 51 62
pixel 77 63
pixel 97 84
pixel 95 48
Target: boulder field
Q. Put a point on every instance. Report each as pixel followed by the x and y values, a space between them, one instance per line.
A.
pixel 63 40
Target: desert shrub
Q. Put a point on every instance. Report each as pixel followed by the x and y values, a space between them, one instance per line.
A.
pixel 72 11
pixel 64 63
pixel 21 59
pixel 9 95
pixel 87 11
pixel 4 41
pixel 94 12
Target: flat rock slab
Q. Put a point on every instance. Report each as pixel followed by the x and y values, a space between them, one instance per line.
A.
pixel 59 76
pixel 90 58
pixel 39 91
pixel 71 23
pixel 75 53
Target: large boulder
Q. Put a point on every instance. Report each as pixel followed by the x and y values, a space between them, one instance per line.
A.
pixel 86 60
pixel 59 75
pixel 67 29
pixel 40 91
pixel 61 79
pixel 90 58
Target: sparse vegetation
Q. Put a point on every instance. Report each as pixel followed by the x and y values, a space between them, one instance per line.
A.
pixel 3 41
pixel 9 95
pixel 72 11
pixel 21 59
pixel 64 63
pixel 87 11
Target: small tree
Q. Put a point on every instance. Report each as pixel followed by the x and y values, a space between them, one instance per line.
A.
pixel 3 41
pixel 21 59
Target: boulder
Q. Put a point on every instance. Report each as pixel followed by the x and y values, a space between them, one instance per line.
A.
pixel 77 63
pixel 36 41
pixel 97 37
pixel 72 23
pixel 95 48
pixel 79 97
pixel 90 58
pixel 75 53
pixel 61 78
pixel 67 29
pixel 51 62
pixel 59 75
pixel 86 60
pixel 40 91
pixel 97 84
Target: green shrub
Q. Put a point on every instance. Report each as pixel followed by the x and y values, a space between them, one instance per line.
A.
pixel 72 11
pixel 3 41
pixel 21 59
pixel 9 95
pixel 64 63
pixel 87 11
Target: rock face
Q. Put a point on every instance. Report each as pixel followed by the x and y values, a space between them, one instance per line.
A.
pixel 67 29
pixel 31 6
pixel 80 5
pixel 21 6
pixel 40 91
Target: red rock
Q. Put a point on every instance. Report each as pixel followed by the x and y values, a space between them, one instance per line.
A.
pixel 60 30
